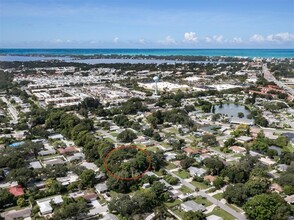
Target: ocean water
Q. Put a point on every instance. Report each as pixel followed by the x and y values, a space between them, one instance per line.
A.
pixel 264 53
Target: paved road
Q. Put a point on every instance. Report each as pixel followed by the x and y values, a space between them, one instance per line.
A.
pixel 210 198
pixel 13 112
pixel 270 77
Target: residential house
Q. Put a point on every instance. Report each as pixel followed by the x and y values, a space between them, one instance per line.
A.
pixel 244 139
pixel 282 167
pixel 276 188
pixel 101 188
pixel 17 214
pixel 70 178
pixel 290 199
pixel 209 179
pixel 76 156
pixel 35 165
pixel 214 217
pixel 16 190
pixel 191 151
pixel 238 149
pixel 192 206
pixel 45 204
pixel 194 171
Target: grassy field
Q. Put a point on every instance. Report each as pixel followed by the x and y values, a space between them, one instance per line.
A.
pixel 109 139
pixel 203 201
pixel 183 174
pixel 185 189
pixel 172 204
pixel 219 212
pixel 199 185
pixel 237 209
pixel 170 166
pixel 114 134
pixel 218 196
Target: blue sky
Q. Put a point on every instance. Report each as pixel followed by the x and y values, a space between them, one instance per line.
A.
pixel 147 24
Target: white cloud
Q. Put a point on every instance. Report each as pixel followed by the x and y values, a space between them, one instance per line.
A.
pixel 218 38
pixel 61 41
pixel 116 39
pixel 190 36
pixel 237 40
pixel 142 41
pixel 168 41
pixel 257 38
pixel 280 37
pixel 207 39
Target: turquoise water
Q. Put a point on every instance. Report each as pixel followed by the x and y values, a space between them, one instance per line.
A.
pixel 16 144
pixel 266 53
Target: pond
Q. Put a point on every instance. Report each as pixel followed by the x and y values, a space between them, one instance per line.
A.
pixel 231 110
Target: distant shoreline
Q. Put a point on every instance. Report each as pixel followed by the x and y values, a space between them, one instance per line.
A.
pixel 180 54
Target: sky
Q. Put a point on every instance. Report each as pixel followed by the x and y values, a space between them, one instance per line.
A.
pixel 147 24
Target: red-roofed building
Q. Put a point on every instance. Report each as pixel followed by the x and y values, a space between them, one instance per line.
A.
pixel 67 150
pixel 16 190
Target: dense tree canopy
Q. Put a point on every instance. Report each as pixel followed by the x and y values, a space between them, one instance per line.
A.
pixel 267 207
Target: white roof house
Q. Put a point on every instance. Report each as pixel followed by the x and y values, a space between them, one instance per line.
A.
pixel 89 166
pixel 45 206
pixel 214 217
pixel 192 206
pixel 101 187
pixel 70 178
pixel 194 171
pixel 35 165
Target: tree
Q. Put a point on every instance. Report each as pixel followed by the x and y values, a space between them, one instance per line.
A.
pixel 21 175
pixel 214 165
pixel 148 132
pixel 260 120
pixel 71 210
pixel 286 158
pixel 171 180
pixel 6 198
pixel 236 194
pixel 191 215
pixel 126 136
pixel 240 114
pixel 209 140
pixel 235 174
pixel 123 205
pixel 267 207
pixel 21 202
pixel 257 186
pixel 87 178
pixel 218 182
pixel 187 162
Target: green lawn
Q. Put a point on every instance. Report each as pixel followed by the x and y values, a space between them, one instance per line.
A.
pixel 237 209
pixel 109 139
pixel 290 148
pixel 178 213
pixel 114 134
pixel 238 155
pixel 185 189
pixel 166 145
pixel 219 212
pixel 170 166
pixel 172 204
pixel 153 149
pixel 172 130
pixel 218 196
pixel 203 201
pixel 183 174
pixel 199 185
